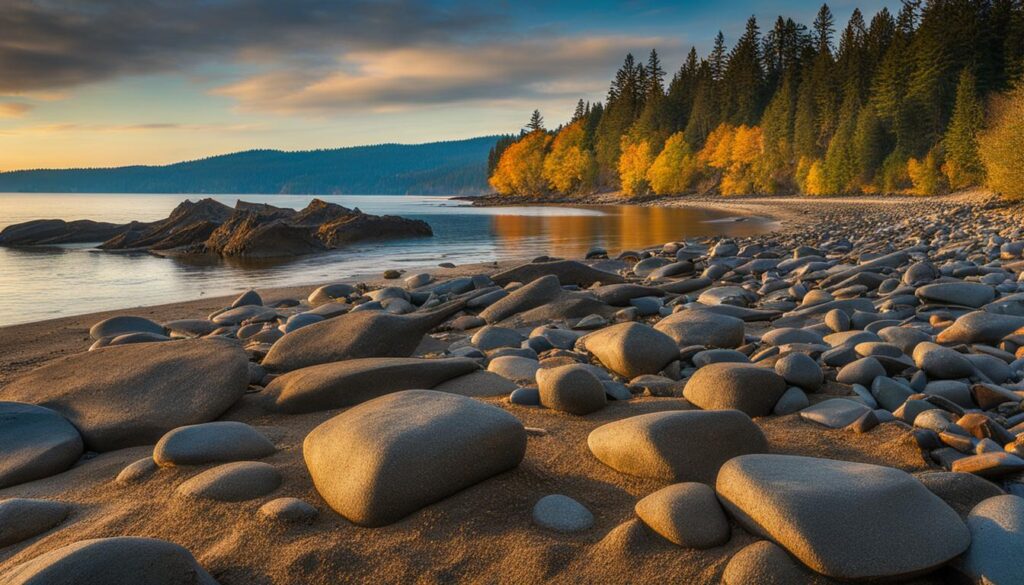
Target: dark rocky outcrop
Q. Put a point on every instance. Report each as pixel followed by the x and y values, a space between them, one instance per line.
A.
pixel 249 230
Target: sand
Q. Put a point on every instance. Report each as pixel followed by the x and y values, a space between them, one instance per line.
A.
pixel 481 535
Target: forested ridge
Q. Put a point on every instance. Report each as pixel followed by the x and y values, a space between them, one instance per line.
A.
pixel 924 101
pixel 443 168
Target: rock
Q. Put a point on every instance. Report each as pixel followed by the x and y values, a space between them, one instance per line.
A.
pixel 571 389
pixel 190 327
pixel 289 510
pixel 35 442
pixel 562 514
pixel 535 294
pixel 49 232
pixel 479 384
pixel 997 538
pixel 213 442
pixel 491 337
pixel 360 334
pixel 516 368
pixel 138 471
pixel 232 482
pixel 801 370
pixel 787 335
pixel 696 327
pixel 299 321
pixel 247 313
pixel 905 338
pixel 387 458
pixel 862 371
pixel 249 297
pixel 525 397
pixel 942 363
pixel 678 445
pixel 418 280
pixel 765 563
pixel 132 394
pixel 347 383
pixel 980 327
pixel 565 271
pixel 989 464
pixel 748 388
pixel 793 400
pixel 835 413
pixel 842 519
pixel 968 294
pixel 631 349
pixel 687 514
pixel 619 295
pixel 961 491
pixel 122 324
pixel 22 518
pixel 837 320
pixel 331 292
pixel 124 560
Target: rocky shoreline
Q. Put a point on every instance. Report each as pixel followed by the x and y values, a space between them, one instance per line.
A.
pixel 839 400
pixel 208 227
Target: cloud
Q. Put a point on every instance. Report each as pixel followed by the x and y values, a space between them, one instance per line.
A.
pixel 56 44
pixel 14 109
pixel 72 127
pixel 408 77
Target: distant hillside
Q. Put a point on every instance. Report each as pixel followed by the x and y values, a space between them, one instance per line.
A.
pixel 455 167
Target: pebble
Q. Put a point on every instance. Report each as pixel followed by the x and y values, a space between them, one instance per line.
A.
pixel 562 514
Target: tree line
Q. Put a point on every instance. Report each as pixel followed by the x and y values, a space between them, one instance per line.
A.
pixel 921 102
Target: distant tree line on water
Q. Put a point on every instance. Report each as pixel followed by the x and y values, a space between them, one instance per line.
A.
pixel 921 102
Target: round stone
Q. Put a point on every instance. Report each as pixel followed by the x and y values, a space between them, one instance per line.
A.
pixel 687 514
pixel 571 389
pixel 751 389
pixel 232 482
pixel 213 442
pixel 289 510
pixel 562 514
pixel 800 370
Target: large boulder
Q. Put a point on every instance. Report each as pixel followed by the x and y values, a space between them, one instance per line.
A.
pixel 350 382
pixel 997 539
pixel 844 520
pixel 676 446
pixel 980 327
pixel 35 442
pixel 360 334
pixel 968 294
pixel 123 560
pixel 696 327
pixel 570 388
pixel 566 271
pixel 129 395
pixel 537 293
pixel 122 324
pixel 745 387
pixel 387 458
pixel 631 349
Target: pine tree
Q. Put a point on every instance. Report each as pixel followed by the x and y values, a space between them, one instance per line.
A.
pixel 706 112
pixel 536 123
pixel 681 92
pixel 824 28
pixel 963 167
pixel 743 82
pixel 580 112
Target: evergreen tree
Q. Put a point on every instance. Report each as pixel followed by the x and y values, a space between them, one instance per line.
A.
pixel 824 28
pixel 743 83
pixel 681 92
pixel 536 123
pixel 963 166
pixel 580 112
pixel 705 115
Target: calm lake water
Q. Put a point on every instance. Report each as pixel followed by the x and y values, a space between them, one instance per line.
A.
pixel 43 283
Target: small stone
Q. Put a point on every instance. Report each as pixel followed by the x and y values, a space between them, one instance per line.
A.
pixel 745 387
pixel 687 514
pixel 232 482
pixel 571 389
pixel 525 397
pixel 562 514
pixel 835 413
pixel 213 442
pixel 289 510
pixel 137 471
pixel 794 400
pixel 862 371
pixel 22 518
pixel 800 370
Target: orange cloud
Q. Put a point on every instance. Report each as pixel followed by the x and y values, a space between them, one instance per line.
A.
pixel 14 109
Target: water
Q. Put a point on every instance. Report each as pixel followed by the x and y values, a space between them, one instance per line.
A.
pixel 49 282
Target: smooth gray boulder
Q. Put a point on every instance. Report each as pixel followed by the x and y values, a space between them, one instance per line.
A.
pixel 331 292
pixel 962 491
pixel 360 334
pixel 751 389
pixel 566 271
pixel 562 514
pixel 631 349
pixel 347 383
pixel 571 388
pixel 997 539
pixel 23 518
pixel 835 413
pixel 697 327
pixel 678 445
pixel 249 297
pixel 942 363
pixel 842 519
pixel 862 371
pixel 799 369
pixel 967 294
pixel 122 560
pixel 232 482
pixel 122 324
pixel 190 327
pixel 491 337
pixel 619 295
pixel 980 327
pixel 35 442
pixel 515 368
pixel 687 514
pixel 793 400
pixel 387 458
pixel 212 442
pixel 132 394
pixel 530 296
pixel 479 384
pixel 766 563
pixel 246 313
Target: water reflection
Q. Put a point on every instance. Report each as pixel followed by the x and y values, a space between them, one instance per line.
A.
pixel 40 283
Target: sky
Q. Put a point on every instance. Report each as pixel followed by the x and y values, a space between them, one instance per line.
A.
pixel 101 83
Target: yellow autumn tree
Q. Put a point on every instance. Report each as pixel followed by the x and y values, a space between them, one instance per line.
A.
pixel 634 162
pixel 1001 146
pixel 737 152
pixel 675 168
pixel 815 182
pixel 570 166
pixel 521 168
pixel 926 174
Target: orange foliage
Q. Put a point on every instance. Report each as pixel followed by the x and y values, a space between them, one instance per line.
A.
pixel 521 168
pixel 634 163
